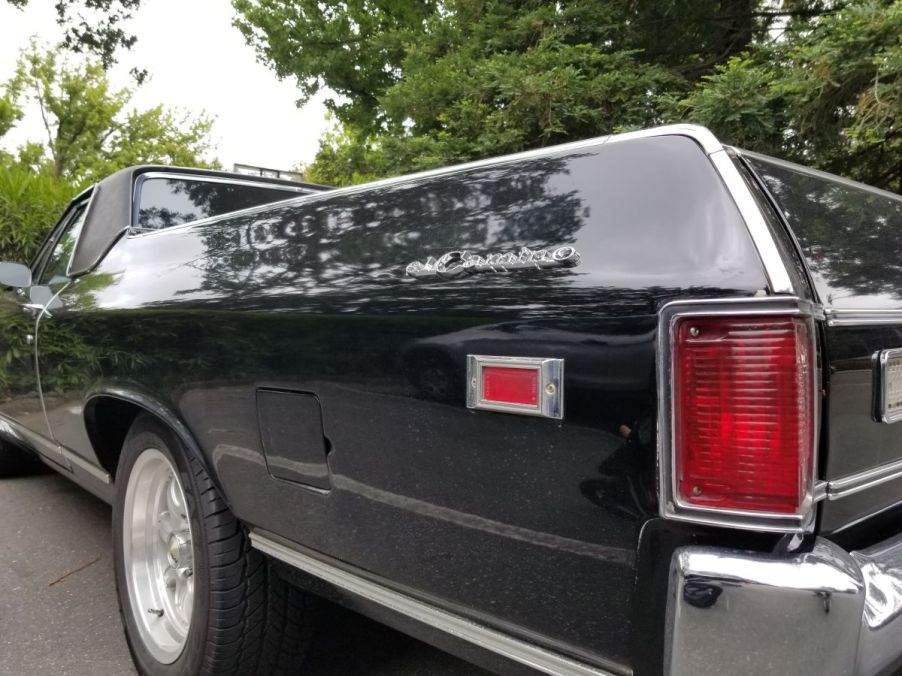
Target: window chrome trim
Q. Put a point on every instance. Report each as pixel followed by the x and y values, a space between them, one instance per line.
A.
pixel 670 507
pixel 133 231
pixel 530 655
pixel 36 265
pixel 88 205
pixel 763 240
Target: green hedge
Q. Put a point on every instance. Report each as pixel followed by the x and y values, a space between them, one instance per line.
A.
pixel 30 204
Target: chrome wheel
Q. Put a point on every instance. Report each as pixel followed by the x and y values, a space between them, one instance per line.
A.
pixel 158 555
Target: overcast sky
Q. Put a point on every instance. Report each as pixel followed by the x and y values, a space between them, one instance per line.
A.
pixel 197 62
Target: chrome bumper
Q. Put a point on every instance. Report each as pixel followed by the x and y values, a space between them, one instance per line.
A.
pixel 824 612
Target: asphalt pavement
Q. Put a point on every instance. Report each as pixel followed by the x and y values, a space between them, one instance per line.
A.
pixel 58 610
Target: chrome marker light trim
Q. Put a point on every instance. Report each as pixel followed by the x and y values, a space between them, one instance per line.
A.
pixel 514 649
pixel 549 387
pixel 670 506
pixel 459 263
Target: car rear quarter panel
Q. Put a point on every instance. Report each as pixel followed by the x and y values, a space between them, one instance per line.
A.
pixel 530 525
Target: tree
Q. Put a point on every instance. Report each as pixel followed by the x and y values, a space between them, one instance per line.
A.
pixel 829 96
pixel 100 32
pixel 89 131
pixel 420 84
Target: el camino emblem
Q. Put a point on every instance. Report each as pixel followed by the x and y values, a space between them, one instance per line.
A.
pixel 458 263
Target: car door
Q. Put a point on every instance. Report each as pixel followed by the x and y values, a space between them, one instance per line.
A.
pixel 21 403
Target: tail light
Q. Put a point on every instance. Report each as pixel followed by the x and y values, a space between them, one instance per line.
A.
pixel 743 418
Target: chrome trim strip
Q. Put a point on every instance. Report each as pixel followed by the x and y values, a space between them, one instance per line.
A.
pixel 86 466
pixel 850 317
pixel 861 481
pixel 514 649
pixel 88 205
pixel 763 239
pixel 670 507
pixel 774 267
pixel 200 178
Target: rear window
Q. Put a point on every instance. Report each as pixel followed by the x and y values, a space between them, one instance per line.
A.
pixel 165 202
pixel 850 234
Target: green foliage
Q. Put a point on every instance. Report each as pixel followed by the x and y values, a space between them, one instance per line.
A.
pixel 89 132
pixel 30 204
pixel 830 96
pixel 100 32
pixel 421 84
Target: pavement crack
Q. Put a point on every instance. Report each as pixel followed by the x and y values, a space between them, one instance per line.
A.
pixel 76 570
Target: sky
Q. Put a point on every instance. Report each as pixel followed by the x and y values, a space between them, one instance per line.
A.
pixel 197 62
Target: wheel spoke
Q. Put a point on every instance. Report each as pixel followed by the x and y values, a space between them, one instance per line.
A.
pixel 174 500
pixel 166 526
pixel 160 555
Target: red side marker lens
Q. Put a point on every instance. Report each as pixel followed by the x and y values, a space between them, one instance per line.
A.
pixel 510 385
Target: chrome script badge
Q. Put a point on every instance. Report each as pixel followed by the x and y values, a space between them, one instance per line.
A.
pixel 459 263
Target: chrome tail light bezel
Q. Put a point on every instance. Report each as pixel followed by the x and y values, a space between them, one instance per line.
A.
pixel 670 507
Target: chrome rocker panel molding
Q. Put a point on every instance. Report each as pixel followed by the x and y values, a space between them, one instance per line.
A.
pixel 670 507
pixel 524 653
pixel 826 611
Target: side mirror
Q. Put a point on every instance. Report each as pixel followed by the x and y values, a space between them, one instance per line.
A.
pixel 44 296
pixel 15 274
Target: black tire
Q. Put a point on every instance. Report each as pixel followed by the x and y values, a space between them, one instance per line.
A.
pixel 16 462
pixel 246 620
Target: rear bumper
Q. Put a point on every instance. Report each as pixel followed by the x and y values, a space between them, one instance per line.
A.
pixel 824 612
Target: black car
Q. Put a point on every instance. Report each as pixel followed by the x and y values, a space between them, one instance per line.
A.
pixel 623 406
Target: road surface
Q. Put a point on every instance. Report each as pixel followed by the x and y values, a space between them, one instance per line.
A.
pixel 58 610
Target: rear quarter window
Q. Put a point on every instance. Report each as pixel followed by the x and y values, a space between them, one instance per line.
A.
pixel 165 202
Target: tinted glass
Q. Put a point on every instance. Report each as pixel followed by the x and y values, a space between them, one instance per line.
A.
pixel 850 234
pixel 58 261
pixel 164 202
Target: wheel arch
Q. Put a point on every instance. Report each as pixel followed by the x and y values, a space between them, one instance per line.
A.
pixel 109 414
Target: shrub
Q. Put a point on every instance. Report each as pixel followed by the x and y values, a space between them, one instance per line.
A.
pixel 30 204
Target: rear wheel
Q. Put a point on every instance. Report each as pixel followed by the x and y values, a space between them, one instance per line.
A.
pixel 195 598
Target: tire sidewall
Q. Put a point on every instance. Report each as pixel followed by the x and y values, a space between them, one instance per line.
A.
pixel 146 435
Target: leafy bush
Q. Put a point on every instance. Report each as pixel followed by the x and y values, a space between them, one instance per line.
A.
pixel 30 204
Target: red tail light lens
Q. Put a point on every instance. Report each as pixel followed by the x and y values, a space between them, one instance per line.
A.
pixel 743 412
